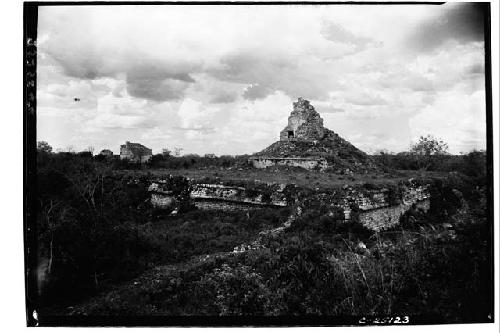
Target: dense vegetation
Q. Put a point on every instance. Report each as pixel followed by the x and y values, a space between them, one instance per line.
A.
pixel 97 231
pixel 95 227
pixel 318 267
pixel 473 163
pixel 191 161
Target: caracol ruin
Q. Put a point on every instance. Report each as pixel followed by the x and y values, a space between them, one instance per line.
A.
pixel 307 144
pixel 304 123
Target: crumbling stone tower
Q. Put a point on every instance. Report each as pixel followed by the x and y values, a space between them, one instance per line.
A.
pixel 304 123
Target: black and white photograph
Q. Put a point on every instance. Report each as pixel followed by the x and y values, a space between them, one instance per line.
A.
pixel 258 164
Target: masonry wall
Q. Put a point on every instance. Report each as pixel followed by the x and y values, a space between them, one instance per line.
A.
pixel 387 217
pixel 128 154
pixel 376 209
pixel 308 164
pixel 162 201
pixel 204 192
pixel 226 206
pixel 215 196
pixel 304 122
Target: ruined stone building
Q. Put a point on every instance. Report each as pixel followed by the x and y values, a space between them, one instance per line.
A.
pixel 304 123
pixel 307 144
pixel 135 152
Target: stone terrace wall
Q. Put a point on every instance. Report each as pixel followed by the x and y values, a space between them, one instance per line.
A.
pixel 227 206
pixel 161 200
pixel 235 194
pixel 216 196
pixel 387 217
pixel 376 209
pixel 301 162
pixel 379 198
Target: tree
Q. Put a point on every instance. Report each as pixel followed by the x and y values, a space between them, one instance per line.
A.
pixel 383 151
pixel 177 151
pixel 166 152
pixel 88 180
pixel 43 146
pixel 474 164
pixel 383 156
pixel 53 213
pixel 427 147
pixel 70 149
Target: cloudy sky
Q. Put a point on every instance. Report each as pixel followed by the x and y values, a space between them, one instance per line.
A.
pixel 222 79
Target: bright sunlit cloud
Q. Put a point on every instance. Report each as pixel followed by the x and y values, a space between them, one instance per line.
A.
pixel 222 79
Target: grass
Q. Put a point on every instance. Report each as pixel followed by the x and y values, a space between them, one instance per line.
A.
pixel 409 273
pixel 179 242
pixel 299 177
pixel 418 268
pixel 178 238
pixel 185 265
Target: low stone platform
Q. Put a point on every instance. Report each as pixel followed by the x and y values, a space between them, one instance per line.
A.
pixel 262 162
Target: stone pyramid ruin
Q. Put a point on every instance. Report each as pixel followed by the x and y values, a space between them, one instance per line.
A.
pixel 306 143
pixel 304 123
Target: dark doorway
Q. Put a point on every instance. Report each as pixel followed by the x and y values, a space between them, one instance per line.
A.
pixel 290 134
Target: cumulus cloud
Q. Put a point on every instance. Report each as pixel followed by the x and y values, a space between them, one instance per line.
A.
pixel 90 43
pixel 458 119
pixel 196 117
pixel 159 82
pixel 328 107
pixel 265 73
pixel 259 72
pixel 363 98
pixel 338 34
pixel 406 79
pixel 222 79
pixel 254 125
pixel 224 97
pixel 256 91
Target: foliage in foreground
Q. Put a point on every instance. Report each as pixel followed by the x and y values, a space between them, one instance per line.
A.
pixel 95 228
pixel 432 264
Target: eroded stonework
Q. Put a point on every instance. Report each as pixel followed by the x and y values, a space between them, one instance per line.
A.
pixel 304 123
pixel 308 163
pixel 307 144
pixel 376 209
pixel 135 152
